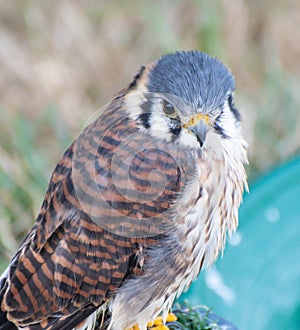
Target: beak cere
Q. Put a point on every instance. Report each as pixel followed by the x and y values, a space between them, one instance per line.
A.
pixel 200 130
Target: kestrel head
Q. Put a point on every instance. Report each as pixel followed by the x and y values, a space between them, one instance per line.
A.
pixel 185 98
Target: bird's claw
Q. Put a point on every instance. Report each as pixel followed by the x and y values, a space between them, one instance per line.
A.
pixel 158 323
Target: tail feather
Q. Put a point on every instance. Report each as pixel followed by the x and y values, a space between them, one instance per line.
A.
pixel 66 324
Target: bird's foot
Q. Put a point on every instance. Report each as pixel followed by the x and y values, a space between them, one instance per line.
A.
pixel 158 323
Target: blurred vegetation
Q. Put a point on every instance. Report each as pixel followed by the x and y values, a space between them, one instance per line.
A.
pixel 62 60
pixel 197 318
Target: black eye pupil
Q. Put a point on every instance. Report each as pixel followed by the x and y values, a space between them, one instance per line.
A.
pixel 169 109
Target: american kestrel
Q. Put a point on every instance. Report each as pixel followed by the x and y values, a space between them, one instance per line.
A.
pixel 140 202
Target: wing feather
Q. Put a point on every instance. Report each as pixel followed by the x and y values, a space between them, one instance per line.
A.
pixel 69 264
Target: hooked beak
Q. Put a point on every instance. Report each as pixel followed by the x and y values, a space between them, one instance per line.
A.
pixel 198 125
pixel 200 130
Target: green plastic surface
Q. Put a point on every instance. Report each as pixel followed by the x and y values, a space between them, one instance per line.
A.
pixel 256 285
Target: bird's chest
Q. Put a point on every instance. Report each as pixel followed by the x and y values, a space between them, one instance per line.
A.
pixel 201 226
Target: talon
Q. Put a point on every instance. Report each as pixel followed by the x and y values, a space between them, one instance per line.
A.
pixel 160 327
pixel 135 327
pixel 171 317
pixel 150 324
pixel 158 323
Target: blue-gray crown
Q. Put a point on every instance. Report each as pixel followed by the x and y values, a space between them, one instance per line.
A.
pixel 201 80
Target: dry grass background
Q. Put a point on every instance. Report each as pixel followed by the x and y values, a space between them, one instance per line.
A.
pixel 62 60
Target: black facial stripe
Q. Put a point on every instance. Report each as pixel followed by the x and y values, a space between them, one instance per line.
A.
pixel 220 130
pixel 137 77
pixel 146 106
pixel 235 112
pixel 146 114
pixel 175 130
pixel 174 126
pixel 145 119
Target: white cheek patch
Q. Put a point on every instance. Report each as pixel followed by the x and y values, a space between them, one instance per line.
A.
pixel 133 103
pixel 228 122
pixel 158 123
pixel 188 139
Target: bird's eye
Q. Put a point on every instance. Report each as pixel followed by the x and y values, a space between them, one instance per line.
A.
pixel 169 109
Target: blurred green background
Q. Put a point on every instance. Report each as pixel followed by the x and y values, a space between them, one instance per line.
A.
pixel 62 60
